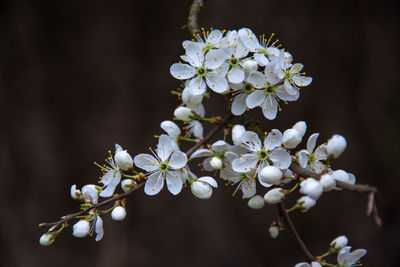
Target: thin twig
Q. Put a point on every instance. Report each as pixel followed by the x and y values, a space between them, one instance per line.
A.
pixel 289 223
pixel 192 21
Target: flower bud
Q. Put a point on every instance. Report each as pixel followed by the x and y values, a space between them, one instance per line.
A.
pixel 171 128
pixel 273 231
pixel 256 202
pixel 301 128
pixel 183 113
pixel 336 145
pixel 191 100
pixel 274 196
pixel 81 228
pixel 202 187
pixel 250 66
pixel 343 176
pixel 76 194
pixel 237 132
pixel 291 138
pixel 216 163
pixel 47 239
pixel 118 213
pixel 327 182
pixel 339 242
pixel 123 160
pixel 270 175
pixel 312 188
pixel 127 184
pixel 305 203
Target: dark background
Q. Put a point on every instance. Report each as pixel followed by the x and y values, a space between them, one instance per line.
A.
pixel 78 76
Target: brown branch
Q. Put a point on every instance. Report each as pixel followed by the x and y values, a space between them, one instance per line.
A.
pixel 292 228
pixel 192 20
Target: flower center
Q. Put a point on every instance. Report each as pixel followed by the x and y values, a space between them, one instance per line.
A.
pixel 164 166
pixel 311 157
pixel 234 61
pixel 201 71
pixel 269 89
pixel 264 52
pixel 247 88
pixel 262 155
pixel 244 177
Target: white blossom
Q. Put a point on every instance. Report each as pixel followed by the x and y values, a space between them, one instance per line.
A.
pixel 164 165
pixel 256 202
pixel 339 242
pixel 311 158
pixel 206 41
pixel 305 264
pixel 91 192
pixel 305 203
pixel 75 193
pixel 312 188
pixel 118 213
pixel 346 258
pixel 111 176
pixel 336 145
pixel 122 158
pixel 273 231
pixel 202 187
pixel 274 196
pixel 81 228
pixel 173 132
pixel 127 184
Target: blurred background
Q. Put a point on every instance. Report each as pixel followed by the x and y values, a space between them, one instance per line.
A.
pixel 78 76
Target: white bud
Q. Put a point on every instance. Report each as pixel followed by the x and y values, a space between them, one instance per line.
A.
pixel 301 128
pixel 312 188
pixel 250 66
pixel 75 194
pixel 127 184
pixel 183 113
pixel 305 203
pixel 291 138
pixel 191 100
pixel 202 187
pixel 171 128
pixel 237 132
pixel 46 239
pixel 273 231
pixel 274 196
pixel 216 163
pixel 339 242
pixel 123 160
pixel 336 145
pixel 118 213
pixel 270 175
pixel 81 228
pixel 327 182
pixel 343 176
pixel 256 202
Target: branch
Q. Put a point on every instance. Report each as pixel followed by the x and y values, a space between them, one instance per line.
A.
pixel 289 223
pixel 359 188
pixel 192 21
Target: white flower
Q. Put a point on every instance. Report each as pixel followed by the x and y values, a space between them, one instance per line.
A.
pixel 339 242
pixel 75 193
pixel 343 176
pixel 346 258
pixel 261 155
pixel 91 192
pixel 336 145
pixel 270 175
pixel 274 196
pixel 162 166
pixel 240 91
pixel 118 213
pixel 183 113
pixel 47 239
pixel 300 127
pixel 81 228
pixel 202 70
pixel 328 182
pixel 122 158
pixel 249 66
pixel 273 231
pixel 237 132
pixel 111 176
pixel 190 100
pixel 209 40
pixel 269 92
pixel 264 51
pixel 305 203
pixel 256 202
pixel 127 184
pixel 218 153
pixel 202 187
pixel 173 132
pixel 312 188
pixel 310 158
pixel 305 264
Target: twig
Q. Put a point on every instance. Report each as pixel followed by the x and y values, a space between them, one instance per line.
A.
pixel 289 223
pixel 192 21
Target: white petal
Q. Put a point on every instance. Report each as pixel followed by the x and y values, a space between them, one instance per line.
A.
pixel 236 86
pixel 257 79
pixel 196 86
pixel 296 68
pixel 255 99
pixel 356 255
pixel 110 188
pixel 236 75
pixel 287 94
pixel 301 80
pixel 216 83
pixel 154 184
pixel 171 128
pixel 207 166
pixel 209 180
pixel 249 39
pixel 194 53
pixel 201 153
pixel 343 254
pixel 320 152
pixel 214 37
pixel 174 182
pixel 273 139
pixel 245 163
pixel 99 228
pixel 220 146
pixel 240 51
pixel 239 104
pixel 280 158
pixel 214 59
pixel 197 129
pixel 146 162
pixel 182 71
pixel 248 188
pixel 303 158
pixel 178 160
pixel 118 148
pixel 164 147
pixel 261 59
pixel 251 141
pixel 269 71
pixel 270 108
pixel 312 140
